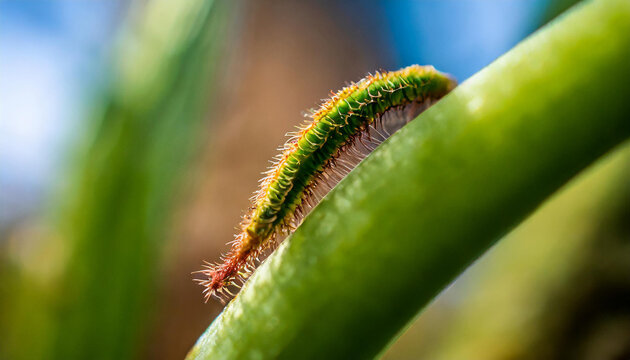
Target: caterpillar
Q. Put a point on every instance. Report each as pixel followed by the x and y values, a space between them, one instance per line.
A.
pixel 336 137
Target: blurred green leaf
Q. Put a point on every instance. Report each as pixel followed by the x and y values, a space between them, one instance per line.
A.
pixel 526 296
pixel 113 222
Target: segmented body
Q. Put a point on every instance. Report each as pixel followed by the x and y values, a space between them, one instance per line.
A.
pixel 342 120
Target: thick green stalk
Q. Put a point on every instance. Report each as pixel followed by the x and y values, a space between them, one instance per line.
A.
pixel 435 196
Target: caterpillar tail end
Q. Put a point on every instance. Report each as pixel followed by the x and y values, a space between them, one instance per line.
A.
pixel 215 281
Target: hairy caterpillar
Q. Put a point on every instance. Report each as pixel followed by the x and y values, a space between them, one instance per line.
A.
pixel 341 133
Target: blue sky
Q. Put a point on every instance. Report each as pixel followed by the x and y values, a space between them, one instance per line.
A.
pixel 460 36
pixel 49 53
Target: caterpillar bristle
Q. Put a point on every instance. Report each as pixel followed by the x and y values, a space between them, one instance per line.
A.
pixel 336 137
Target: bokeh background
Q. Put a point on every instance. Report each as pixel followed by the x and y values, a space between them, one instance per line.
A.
pixel 133 133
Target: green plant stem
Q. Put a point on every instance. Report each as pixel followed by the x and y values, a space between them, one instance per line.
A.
pixel 435 196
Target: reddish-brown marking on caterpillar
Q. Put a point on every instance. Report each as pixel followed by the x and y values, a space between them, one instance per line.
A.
pixel 344 130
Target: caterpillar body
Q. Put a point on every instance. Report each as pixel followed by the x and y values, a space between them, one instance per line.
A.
pixel 341 133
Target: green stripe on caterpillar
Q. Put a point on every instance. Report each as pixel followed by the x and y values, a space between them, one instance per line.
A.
pixel 343 131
